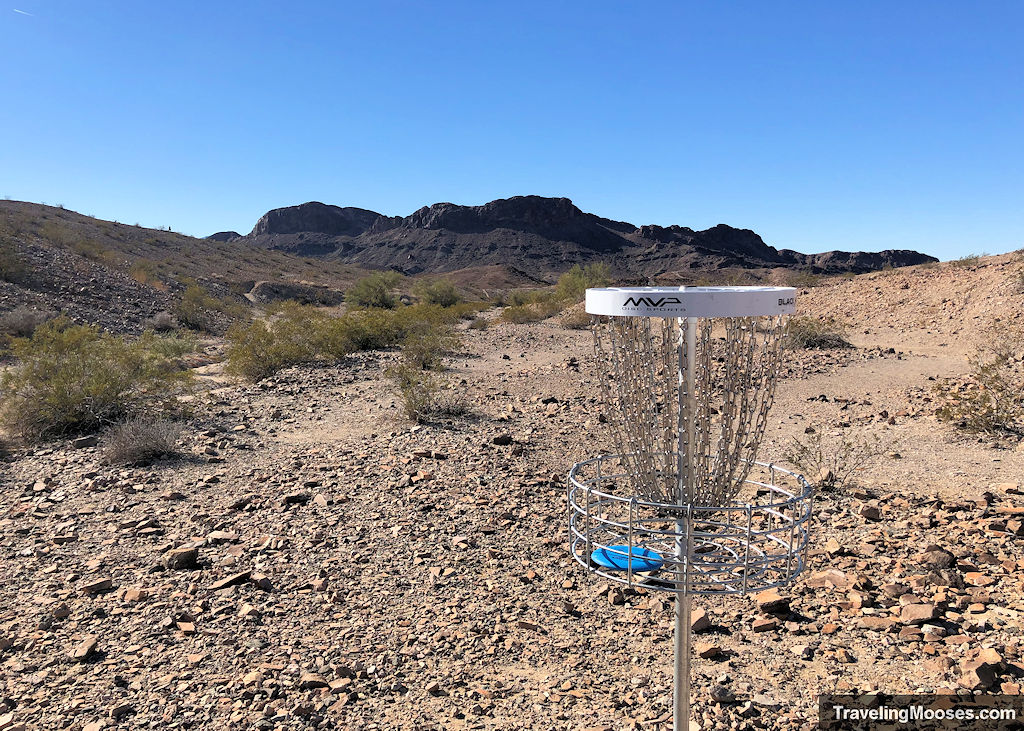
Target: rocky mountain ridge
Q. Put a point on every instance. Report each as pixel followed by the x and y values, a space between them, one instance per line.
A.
pixel 547 235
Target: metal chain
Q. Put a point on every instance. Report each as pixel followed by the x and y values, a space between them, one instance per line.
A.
pixel 735 386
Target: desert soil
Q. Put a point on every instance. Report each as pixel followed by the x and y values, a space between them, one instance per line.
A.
pixel 317 561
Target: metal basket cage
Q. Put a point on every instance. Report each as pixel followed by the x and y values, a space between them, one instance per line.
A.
pixel 758 541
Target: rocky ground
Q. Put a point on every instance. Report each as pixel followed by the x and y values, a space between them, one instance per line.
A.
pixel 314 560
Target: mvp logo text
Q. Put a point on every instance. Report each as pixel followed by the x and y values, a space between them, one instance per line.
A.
pixel 651 301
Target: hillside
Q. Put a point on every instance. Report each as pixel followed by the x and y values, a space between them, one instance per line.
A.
pixel 947 306
pixel 117 274
pixel 544 236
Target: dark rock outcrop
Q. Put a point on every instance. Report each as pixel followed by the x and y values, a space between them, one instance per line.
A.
pixel 543 235
pixel 316 217
pixel 307 294
pixel 224 236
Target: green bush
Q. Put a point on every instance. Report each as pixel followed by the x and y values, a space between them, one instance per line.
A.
pixel 375 290
pixel 815 333
pixel 520 297
pixel 425 348
pixel 437 292
pixel 468 310
pixel 200 310
pixel 299 334
pixel 801 279
pixel 74 378
pixel 534 312
pixel 479 323
pixel 304 334
pixel 572 285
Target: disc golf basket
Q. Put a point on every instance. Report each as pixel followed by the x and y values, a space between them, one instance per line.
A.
pixel 684 507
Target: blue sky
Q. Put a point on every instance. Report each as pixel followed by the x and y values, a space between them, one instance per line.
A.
pixel 823 125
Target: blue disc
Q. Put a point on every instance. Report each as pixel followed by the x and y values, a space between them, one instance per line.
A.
pixel 617 558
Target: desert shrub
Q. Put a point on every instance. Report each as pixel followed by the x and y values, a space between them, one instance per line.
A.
pixel 520 314
pixel 303 334
pixel 801 279
pixel 817 333
pixel 425 348
pixel 12 267
pixel 299 334
pixel 22 321
pixel 575 318
pixel 161 322
pixel 424 394
pixel 520 297
pixel 167 346
pixel 830 462
pixel 200 310
pixel 437 292
pixel 372 329
pixel 478 323
pixel 970 260
pixel 573 284
pixel 991 400
pixel 374 290
pixel 468 310
pixel 534 312
pixel 74 378
pixel 140 440
pixel 144 271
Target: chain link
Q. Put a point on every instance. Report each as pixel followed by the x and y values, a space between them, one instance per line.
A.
pixel 735 375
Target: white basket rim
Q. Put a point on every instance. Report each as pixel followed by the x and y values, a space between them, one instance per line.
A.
pixel 690 301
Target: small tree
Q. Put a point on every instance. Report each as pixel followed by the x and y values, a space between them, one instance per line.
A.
pixel 375 290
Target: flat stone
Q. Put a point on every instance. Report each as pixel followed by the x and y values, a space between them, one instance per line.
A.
pixel 977 578
pixel 84 649
pixel 181 558
pixel 98 586
pixel 707 650
pixel 870 512
pixel 233 580
pixel 309 681
pixel 772 602
pixel 222 536
pixel 135 595
pixel 918 613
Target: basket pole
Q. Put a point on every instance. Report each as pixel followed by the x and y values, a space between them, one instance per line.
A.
pixel 684 546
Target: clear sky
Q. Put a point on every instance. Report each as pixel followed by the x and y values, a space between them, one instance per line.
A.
pixel 820 125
